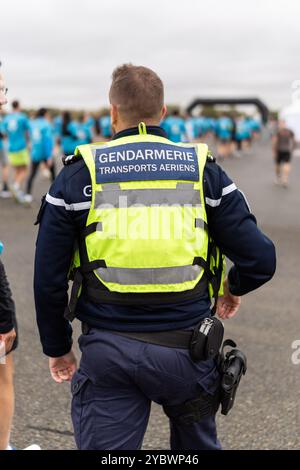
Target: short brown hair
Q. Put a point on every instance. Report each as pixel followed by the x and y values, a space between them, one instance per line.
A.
pixel 138 92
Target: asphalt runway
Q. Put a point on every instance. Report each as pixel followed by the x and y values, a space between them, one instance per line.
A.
pixel 266 415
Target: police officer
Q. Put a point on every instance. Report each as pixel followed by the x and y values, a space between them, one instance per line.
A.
pixel 140 224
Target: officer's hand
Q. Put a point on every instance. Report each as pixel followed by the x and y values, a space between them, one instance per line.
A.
pixel 8 340
pixel 228 304
pixel 63 368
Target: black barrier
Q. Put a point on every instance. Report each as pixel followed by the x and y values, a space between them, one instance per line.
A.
pixel 262 108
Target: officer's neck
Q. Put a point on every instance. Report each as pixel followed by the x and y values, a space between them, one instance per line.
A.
pixel 123 126
pixel 153 129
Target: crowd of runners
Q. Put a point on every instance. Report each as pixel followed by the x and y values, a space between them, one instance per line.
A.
pixel 30 142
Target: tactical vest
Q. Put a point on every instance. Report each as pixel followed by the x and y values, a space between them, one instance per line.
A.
pixel 146 239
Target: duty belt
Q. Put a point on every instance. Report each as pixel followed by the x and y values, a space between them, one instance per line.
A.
pixel 172 339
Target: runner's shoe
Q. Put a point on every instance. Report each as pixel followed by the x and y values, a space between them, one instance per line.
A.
pixel 17 193
pixel 33 447
pixel 27 199
pixel 5 194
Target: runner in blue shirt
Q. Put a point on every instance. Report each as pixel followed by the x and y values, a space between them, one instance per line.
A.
pixel 254 126
pixel 224 134
pixel 224 127
pixel 200 125
pixel 205 125
pixel 83 130
pixel 4 193
pixel 90 122
pixel 174 127
pixel 212 124
pixel 244 134
pixel 16 128
pixel 105 126
pixel 68 140
pixel 57 126
pixel 191 129
pixel 42 145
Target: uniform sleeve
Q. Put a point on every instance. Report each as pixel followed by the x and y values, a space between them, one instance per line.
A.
pixel 7 307
pixel 54 250
pixel 235 230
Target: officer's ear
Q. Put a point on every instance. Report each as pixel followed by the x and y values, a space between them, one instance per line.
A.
pixel 114 116
pixel 163 112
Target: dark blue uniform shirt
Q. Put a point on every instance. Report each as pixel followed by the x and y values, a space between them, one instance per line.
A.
pixel 65 212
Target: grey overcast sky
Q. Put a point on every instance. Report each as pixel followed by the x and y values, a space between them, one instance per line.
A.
pixel 62 52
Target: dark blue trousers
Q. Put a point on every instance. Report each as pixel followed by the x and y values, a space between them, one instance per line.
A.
pixel 118 379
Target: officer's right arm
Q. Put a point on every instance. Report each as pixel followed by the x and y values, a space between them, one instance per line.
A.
pixel 54 250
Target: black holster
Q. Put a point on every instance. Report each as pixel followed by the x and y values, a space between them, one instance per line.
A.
pixel 232 365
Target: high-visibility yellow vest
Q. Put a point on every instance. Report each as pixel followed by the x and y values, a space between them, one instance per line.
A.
pixel 146 238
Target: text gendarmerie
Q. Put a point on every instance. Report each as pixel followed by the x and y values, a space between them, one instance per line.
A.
pixel 145 155
pixel 146 161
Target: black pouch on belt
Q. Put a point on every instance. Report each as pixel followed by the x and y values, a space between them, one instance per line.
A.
pixel 206 340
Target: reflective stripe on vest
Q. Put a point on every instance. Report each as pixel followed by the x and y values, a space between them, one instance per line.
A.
pixel 148 276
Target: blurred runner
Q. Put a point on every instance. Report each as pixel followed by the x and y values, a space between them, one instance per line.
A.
pixel 191 128
pixel 255 127
pixel 8 339
pixel 224 134
pixel 68 140
pixel 8 343
pixel 105 126
pixel 90 122
pixel 41 148
pixel 16 127
pixel 57 126
pixel 243 134
pixel 83 130
pixel 174 126
pixel 4 192
pixel 283 146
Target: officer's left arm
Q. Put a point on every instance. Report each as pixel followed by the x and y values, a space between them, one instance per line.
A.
pixel 54 250
pixel 235 230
